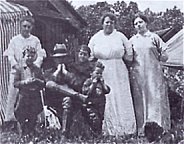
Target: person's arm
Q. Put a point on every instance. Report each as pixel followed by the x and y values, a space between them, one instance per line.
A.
pixel 41 54
pixel 10 53
pixel 105 87
pixel 62 89
pixel 91 45
pixel 128 56
pixel 91 86
pixel 18 83
pixel 161 47
pixel 85 87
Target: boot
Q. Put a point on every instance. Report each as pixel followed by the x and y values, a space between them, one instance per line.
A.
pixel 65 122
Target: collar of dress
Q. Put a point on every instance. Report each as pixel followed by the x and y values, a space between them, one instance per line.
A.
pixel 27 37
pixel 147 34
pixel 114 31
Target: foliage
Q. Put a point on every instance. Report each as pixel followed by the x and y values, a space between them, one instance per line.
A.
pixel 49 136
pixel 175 80
pixel 125 13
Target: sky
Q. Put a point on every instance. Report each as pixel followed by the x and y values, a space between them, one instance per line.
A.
pixel 154 5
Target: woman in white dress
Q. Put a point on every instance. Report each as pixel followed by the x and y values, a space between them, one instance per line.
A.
pixel 110 46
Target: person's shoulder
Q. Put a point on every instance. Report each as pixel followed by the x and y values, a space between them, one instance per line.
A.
pixel 153 34
pixel 135 36
pixel 96 35
pixel 34 37
pixel 120 34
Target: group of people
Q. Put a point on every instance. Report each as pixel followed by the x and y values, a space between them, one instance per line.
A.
pixel 116 83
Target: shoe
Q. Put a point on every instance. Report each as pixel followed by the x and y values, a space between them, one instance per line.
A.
pixel 153 131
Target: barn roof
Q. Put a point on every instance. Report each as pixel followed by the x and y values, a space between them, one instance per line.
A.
pixel 58 9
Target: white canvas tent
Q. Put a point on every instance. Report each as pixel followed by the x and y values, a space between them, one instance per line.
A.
pixel 175 50
pixel 10 15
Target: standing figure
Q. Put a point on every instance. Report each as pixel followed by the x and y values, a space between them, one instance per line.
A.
pixel 147 80
pixel 29 81
pixel 17 46
pixel 110 46
pixel 96 90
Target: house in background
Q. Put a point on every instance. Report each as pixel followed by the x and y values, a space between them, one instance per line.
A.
pixel 56 21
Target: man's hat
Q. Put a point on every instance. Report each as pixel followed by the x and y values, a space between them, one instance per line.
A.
pixel 60 50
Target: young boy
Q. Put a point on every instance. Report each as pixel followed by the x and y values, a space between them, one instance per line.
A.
pixel 96 89
pixel 29 81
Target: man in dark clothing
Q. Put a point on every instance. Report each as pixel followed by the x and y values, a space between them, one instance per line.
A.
pixel 58 95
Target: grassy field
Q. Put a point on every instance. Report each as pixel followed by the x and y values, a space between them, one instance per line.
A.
pixel 46 136
pixel 174 136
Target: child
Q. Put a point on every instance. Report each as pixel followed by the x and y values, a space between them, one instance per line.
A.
pixel 96 89
pixel 29 81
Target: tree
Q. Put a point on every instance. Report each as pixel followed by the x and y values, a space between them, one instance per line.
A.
pixel 125 13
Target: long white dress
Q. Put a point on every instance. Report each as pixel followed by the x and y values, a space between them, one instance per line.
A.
pixel 119 116
pixel 148 83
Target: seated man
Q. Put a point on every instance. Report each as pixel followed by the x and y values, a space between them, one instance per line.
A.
pixel 58 94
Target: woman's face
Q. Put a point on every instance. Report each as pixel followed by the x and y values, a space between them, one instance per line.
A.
pixel 108 25
pixel 26 28
pixel 140 25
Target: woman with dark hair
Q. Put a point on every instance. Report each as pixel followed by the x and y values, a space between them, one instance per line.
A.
pixel 147 81
pixel 110 46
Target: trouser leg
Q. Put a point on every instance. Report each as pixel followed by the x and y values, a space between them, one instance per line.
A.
pixel 93 119
pixel 66 118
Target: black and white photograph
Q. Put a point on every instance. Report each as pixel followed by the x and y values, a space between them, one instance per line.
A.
pixel 91 72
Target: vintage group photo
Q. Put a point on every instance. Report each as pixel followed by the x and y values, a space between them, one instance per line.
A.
pixel 91 72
